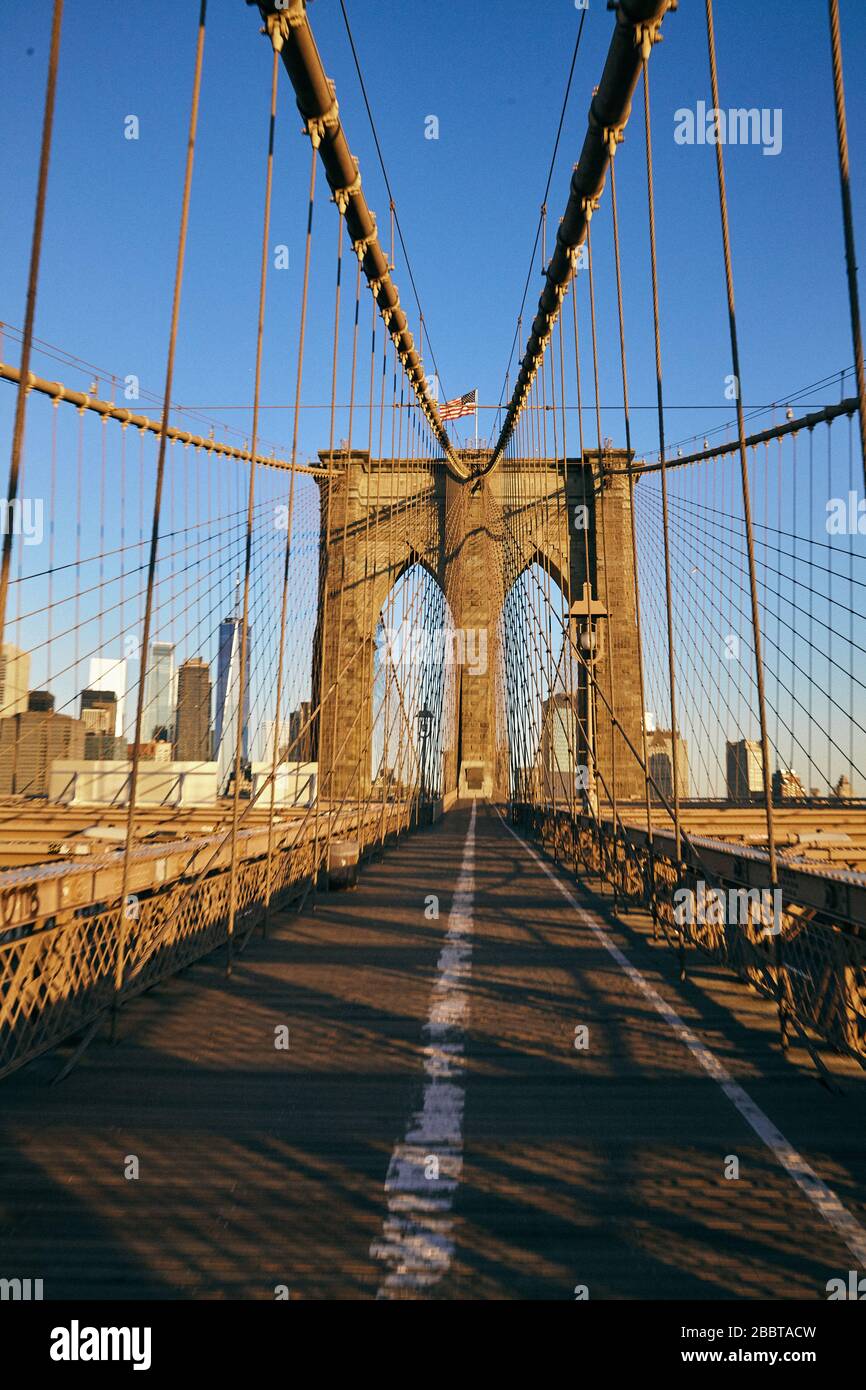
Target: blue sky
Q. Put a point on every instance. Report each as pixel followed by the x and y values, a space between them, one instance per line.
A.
pixel 494 75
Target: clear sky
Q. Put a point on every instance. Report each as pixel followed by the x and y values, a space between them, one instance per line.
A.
pixel 494 75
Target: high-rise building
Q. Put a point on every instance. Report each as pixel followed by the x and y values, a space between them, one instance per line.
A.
pixel 30 742
pixel 229 660
pixel 299 744
pixel 659 745
pixel 561 777
pixel 745 770
pixel 98 711
pixel 99 717
pixel 104 747
pixel 159 692
pixel 14 678
pixel 192 741
pixel 267 741
pixel 787 785
pixel 110 673
pixel 153 750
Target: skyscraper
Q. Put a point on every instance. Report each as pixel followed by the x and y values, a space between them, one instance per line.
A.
pixel 99 717
pixel 192 727
pixel 558 749
pixel 267 740
pixel 229 653
pixel 110 673
pixel 159 692
pixel 660 746
pixel 300 735
pixel 98 710
pixel 14 677
pixel 31 741
pixel 745 769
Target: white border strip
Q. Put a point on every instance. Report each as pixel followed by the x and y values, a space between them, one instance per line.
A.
pixel 822 1197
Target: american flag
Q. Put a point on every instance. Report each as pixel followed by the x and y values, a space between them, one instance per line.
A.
pixel 462 405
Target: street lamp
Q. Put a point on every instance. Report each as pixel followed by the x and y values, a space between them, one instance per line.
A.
pixel 425 728
pixel 583 616
pixel 588 643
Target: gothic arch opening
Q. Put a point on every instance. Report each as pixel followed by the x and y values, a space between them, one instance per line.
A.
pixel 414 691
pixel 543 688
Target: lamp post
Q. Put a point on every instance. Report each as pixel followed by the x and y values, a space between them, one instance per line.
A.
pixel 425 727
pixel 583 618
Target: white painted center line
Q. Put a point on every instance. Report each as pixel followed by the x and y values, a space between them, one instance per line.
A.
pixel 417 1242
pixel 822 1197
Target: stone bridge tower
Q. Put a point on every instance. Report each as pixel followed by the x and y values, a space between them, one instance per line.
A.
pixel 381 516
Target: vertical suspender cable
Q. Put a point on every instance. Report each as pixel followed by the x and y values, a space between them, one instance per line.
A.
pixel 251 499
pixel 848 219
pixel 30 311
pixel 747 514
pixel 675 778
pixel 611 685
pixel 744 467
pixel 324 752
pixel 634 553
pixel 157 508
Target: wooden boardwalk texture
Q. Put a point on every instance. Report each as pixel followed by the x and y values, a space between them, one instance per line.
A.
pixel 306 1168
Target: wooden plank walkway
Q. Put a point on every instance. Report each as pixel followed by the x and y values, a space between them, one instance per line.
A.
pixel 558 1167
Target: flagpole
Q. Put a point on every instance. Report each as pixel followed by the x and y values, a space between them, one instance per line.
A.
pixel 476 419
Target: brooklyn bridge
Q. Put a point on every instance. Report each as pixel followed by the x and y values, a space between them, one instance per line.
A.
pixel 433 822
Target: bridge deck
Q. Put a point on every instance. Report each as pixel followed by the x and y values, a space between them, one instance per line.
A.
pixel 601 1167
